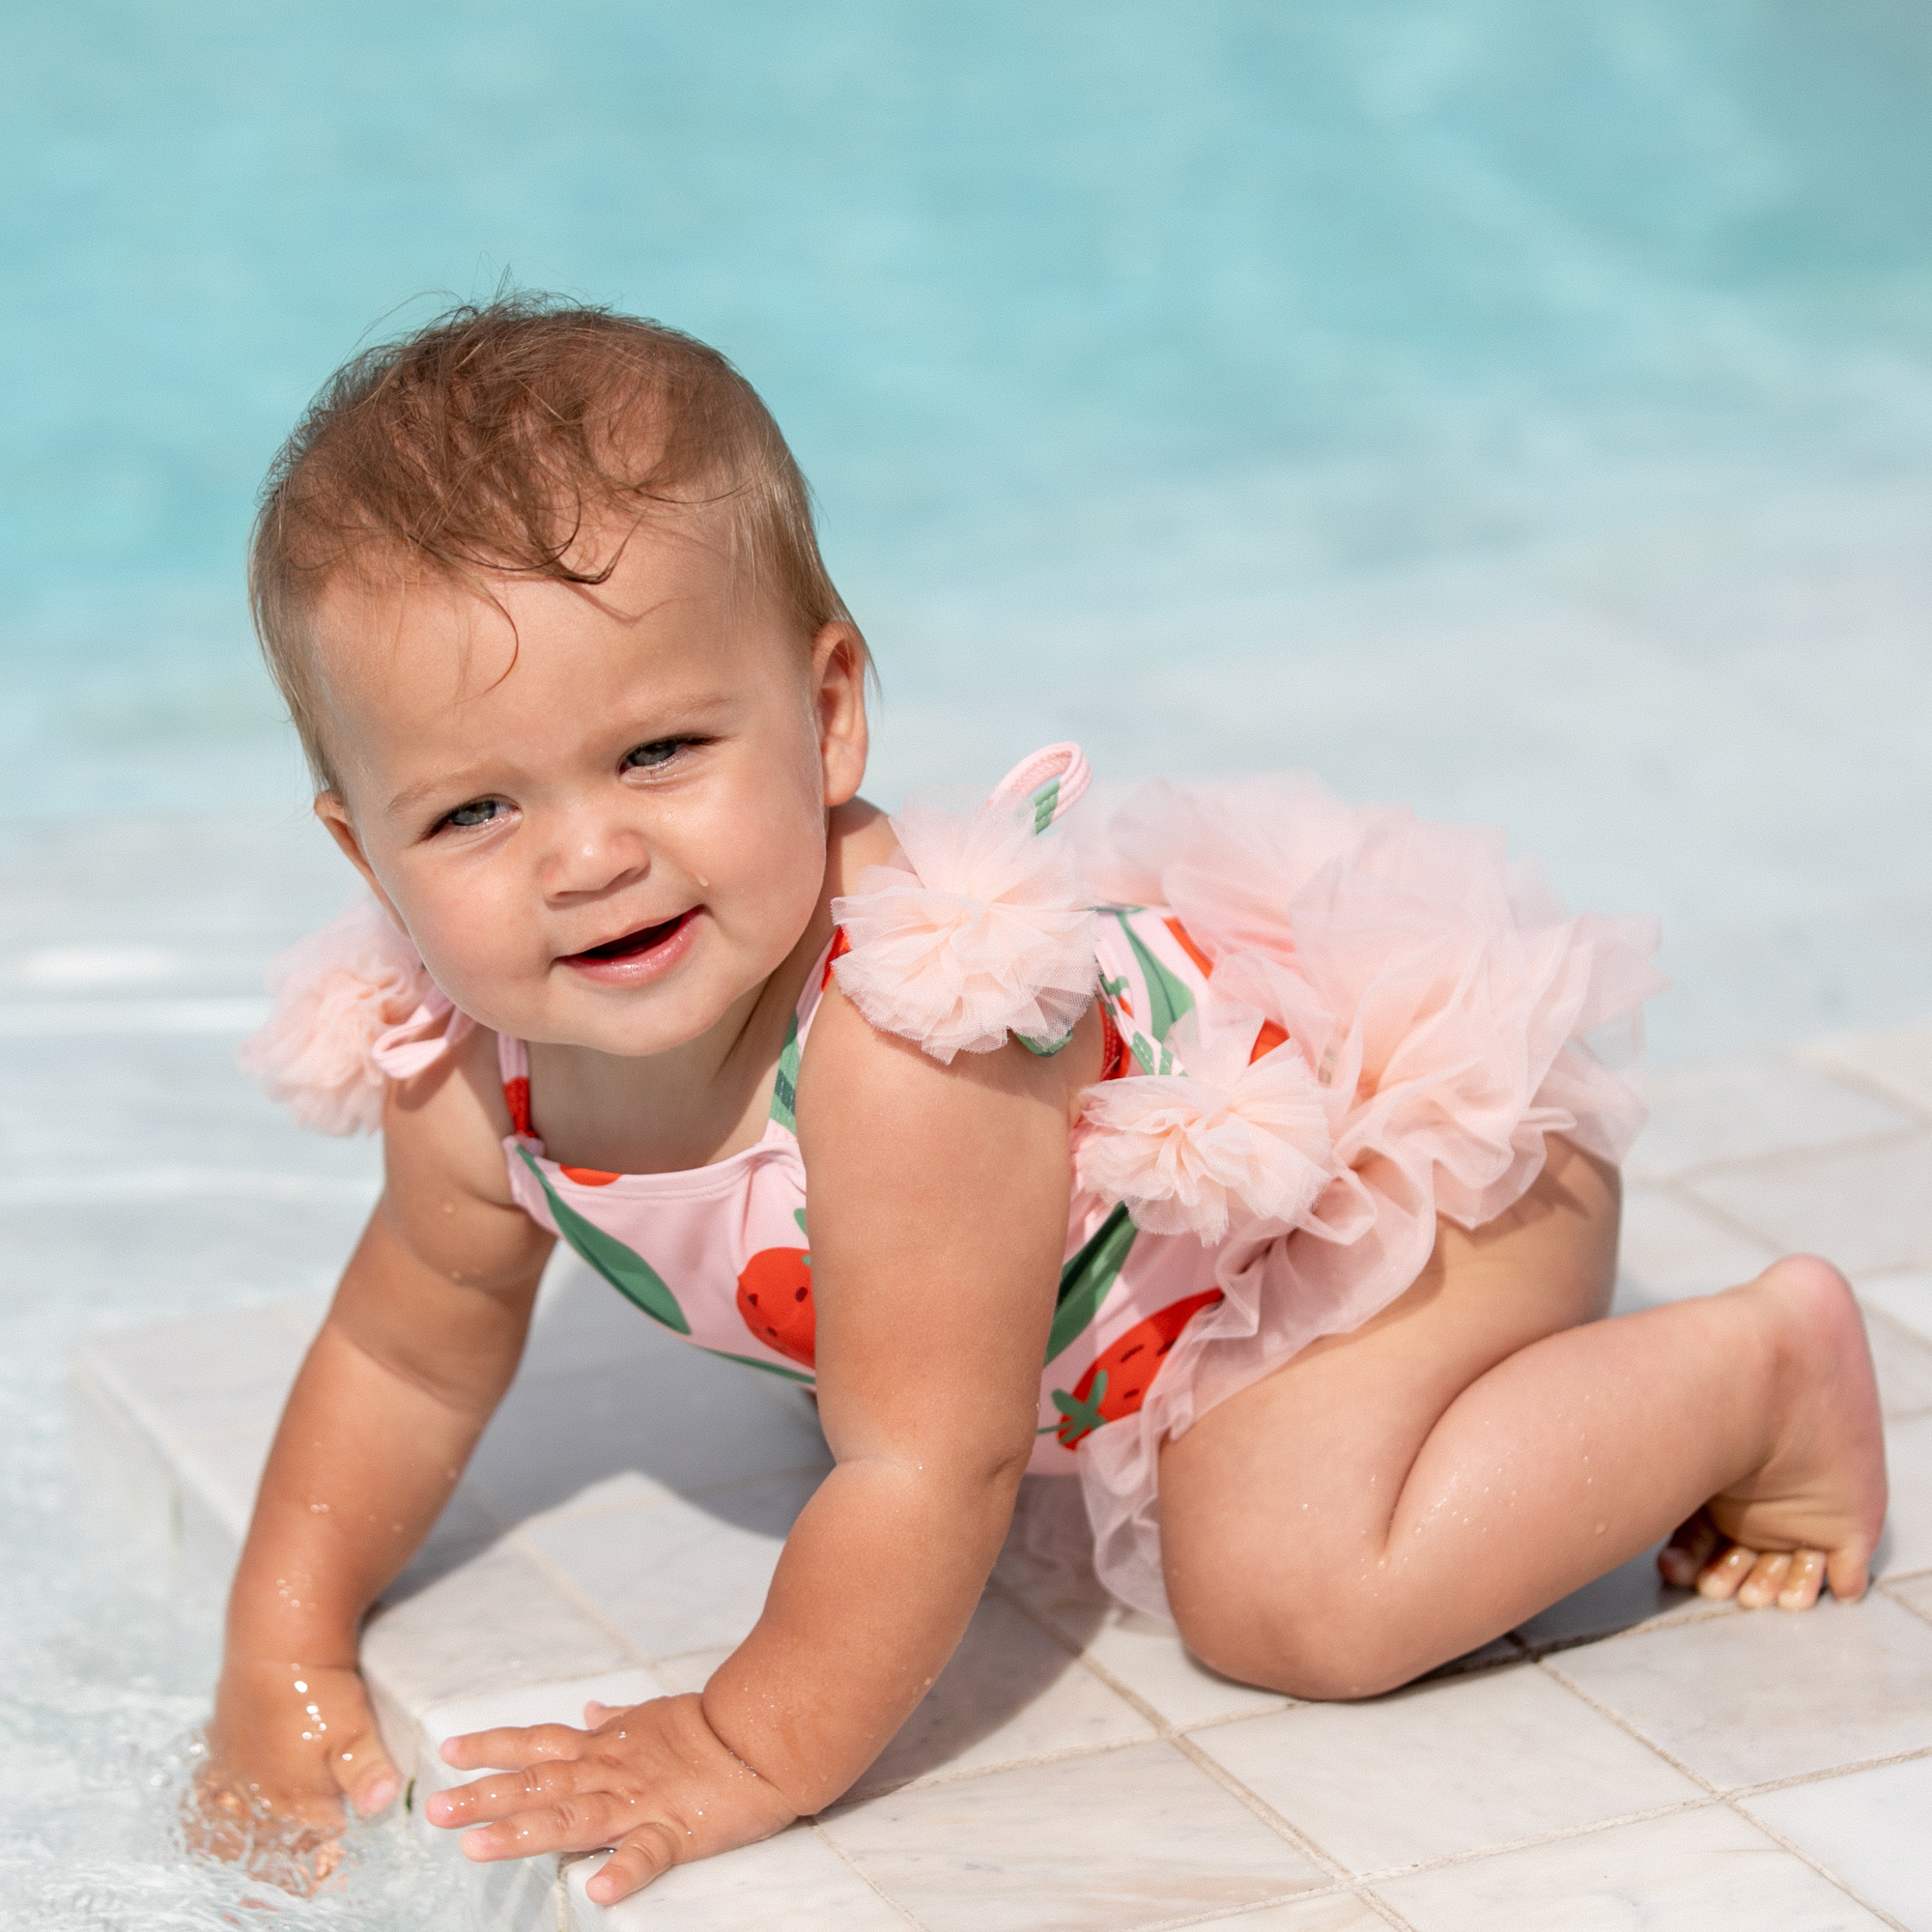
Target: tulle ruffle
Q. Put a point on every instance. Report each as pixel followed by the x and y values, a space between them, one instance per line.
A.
pixel 1237 1138
pixel 354 1009
pixel 1437 996
pixel 982 931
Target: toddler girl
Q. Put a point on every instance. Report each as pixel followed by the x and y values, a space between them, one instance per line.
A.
pixel 1241 1159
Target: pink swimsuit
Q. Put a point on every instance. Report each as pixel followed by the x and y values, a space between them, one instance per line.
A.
pixel 1329 1029
pixel 720 1254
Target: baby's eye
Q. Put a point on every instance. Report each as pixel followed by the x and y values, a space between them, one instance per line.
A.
pixel 478 812
pixel 659 751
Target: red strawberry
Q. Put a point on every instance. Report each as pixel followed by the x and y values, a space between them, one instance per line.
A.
pixel 1118 1383
pixel 775 1301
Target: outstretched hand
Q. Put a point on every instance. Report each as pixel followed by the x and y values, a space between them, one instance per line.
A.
pixel 652 1779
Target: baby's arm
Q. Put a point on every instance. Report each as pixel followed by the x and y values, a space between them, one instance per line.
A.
pixel 938 1220
pixel 421 1341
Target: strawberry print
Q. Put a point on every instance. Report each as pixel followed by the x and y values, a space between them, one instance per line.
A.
pixel 1118 1383
pixel 775 1300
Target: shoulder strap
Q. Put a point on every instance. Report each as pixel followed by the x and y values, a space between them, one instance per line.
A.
pixel 513 1068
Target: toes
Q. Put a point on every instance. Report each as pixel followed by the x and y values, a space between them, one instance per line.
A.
pixel 1720 1580
pixel 1847 1575
pixel 1766 1579
pixel 1687 1553
pixel 1804 1581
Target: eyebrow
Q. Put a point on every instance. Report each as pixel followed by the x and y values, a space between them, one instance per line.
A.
pixel 414 795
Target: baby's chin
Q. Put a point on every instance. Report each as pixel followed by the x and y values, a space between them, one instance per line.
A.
pixel 623 1022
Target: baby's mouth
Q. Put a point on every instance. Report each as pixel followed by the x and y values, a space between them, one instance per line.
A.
pixel 630 945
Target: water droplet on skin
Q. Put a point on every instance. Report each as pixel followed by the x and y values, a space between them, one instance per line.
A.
pixel 302 1686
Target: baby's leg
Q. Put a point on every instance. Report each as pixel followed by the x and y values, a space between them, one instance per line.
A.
pixel 1391 1498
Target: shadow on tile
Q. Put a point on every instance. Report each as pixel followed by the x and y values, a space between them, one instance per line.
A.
pixel 1630 1595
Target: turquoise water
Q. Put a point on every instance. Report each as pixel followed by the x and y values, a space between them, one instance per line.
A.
pixel 1075 310
pixel 1520 409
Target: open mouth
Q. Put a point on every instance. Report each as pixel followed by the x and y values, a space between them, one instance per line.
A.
pixel 630 945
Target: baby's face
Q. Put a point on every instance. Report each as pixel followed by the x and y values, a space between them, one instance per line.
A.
pixel 605 826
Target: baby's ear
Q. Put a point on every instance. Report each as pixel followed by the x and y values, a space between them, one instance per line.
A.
pixel 840 662
pixel 333 812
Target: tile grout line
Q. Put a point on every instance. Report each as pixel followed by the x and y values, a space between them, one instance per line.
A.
pixel 1804 1857
pixel 1563 1834
pixel 1262 1810
pixel 1700 1610
pixel 1167 1732
pixel 1629 1729
pixel 1905 1603
pixel 1311 1895
pixel 562 1581
pixel 942 1778
pixel 1799 1778
pixel 863 1877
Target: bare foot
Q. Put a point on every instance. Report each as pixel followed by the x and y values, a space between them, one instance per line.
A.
pixel 1813 1512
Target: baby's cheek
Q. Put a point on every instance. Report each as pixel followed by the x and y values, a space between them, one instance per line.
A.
pixel 483 963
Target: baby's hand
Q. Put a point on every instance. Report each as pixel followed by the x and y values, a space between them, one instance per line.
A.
pixel 289 1742
pixel 652 1779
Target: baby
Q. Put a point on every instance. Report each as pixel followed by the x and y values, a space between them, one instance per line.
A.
pixel 1241 1159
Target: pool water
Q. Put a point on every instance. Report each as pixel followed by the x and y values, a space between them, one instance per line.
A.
pixel 1519 409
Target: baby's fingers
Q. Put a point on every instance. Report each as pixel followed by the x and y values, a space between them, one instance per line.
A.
pixel 1766 1579
pixel 645 1854
pixel 1721 1580
pixel 1687 1553
pixel 1806 1580
pixel 516 1795
pixel 513 1746
pixel 577 1821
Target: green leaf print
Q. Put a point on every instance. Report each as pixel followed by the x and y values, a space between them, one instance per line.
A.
pixel 1082 1417
pixel 770 1367
pixel 785 1089
pixel 1045 1049
pixel 1085 1280
pixel 1166 997
pixel 624 1268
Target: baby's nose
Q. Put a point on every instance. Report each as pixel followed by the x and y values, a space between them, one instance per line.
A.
pixel 593 860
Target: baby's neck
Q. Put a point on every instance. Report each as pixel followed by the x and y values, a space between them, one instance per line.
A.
pixel 662 1113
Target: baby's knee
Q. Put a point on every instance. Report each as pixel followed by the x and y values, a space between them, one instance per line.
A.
pixel 1323 1647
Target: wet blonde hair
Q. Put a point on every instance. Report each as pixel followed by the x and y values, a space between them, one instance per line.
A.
pixel 483 443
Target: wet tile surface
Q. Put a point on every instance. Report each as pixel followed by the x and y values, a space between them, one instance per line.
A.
pixel 1693 1872
pixel 1868 1830
pixel 1768 1694
pixel 1073 1767
pixel 1127 1838
pixel 1470 1755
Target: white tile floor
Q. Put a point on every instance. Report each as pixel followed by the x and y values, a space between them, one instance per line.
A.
pixel 1629 1758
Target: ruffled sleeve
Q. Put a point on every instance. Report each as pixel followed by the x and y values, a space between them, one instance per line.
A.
pixel 353 1007
pixel 981 928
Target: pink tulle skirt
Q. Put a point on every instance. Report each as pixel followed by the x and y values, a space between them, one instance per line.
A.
pixel 1456 1015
